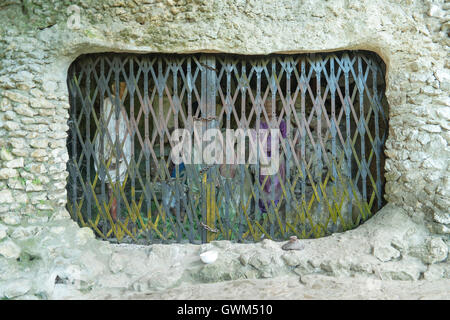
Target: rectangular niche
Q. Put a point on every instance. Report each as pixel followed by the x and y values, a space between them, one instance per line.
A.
pixel 329 108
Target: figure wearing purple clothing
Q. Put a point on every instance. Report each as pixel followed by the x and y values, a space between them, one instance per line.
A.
pixel 272 188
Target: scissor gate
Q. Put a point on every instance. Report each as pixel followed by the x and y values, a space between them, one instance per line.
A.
pixel 330 109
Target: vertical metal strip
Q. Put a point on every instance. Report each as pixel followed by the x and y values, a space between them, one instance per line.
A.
pixel 191 199
pixel 147 65
pixel 88 152
pixel 333 83
pixel 303 136
pixel 102 169
pixel 161 165
pixel 377 147
pixel 243 80
pixel 203 114
pixel 177 193
pixel 117 106
pixel 318 151
pixel 211 113
pixel 289 106
pixel 348 149
pixel 132 121
pixel 227 204
pixel 73 123
pixel 258 109
pixel 274 116
pixel 362 129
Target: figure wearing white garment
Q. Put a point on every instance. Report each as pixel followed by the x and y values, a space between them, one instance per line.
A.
pixel 116 163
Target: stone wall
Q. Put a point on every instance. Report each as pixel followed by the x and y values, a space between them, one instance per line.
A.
pixel 42 250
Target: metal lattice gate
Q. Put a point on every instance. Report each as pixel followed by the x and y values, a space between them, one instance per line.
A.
pixel 329 108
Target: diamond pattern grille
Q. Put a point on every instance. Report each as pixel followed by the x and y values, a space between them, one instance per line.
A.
pixel 330 109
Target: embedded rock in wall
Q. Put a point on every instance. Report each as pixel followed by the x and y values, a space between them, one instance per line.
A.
pixel 9 249
pixel 434 251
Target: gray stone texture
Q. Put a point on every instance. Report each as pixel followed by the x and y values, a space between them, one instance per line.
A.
pixel 43 254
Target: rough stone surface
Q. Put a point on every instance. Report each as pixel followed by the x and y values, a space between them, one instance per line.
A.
pixel 48 255
pixel 3 230
pixel 15 288
pixel 385 253
pixel 437 250
pixel 9 249
pixel 315 287
pixel 77 265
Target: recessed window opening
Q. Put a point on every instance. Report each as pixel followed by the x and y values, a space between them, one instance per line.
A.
pixel 329 110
